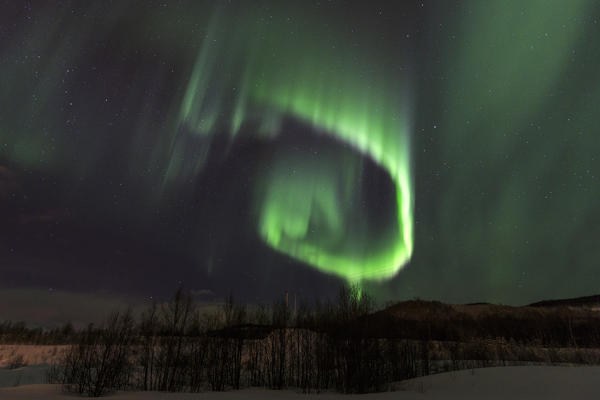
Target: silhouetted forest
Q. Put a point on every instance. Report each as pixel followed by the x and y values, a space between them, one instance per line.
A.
pixel 344 344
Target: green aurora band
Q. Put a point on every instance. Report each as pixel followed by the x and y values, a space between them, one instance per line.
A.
pixel 283 71
pixel 123 115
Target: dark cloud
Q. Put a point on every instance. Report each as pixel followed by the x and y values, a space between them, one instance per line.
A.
pixel 8 183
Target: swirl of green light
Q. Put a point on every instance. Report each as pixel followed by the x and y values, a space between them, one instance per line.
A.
pixel 263 74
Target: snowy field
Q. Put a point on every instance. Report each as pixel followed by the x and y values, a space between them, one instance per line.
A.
pixel 531 382
pixel 30 354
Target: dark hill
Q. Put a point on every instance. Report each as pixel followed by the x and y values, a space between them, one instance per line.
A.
pixel 586 302
pixel 558 323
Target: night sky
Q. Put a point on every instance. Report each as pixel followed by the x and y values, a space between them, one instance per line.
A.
pixel 435 149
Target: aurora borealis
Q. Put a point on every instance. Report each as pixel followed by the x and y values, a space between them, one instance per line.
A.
pixel 441 149
pixel 364 113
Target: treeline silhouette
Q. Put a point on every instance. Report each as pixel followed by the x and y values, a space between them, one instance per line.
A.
pixel 20 333
pixel 174 347
pixel 343 344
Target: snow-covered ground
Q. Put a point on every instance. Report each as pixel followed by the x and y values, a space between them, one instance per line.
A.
pixel 31 375
pixel 30 354
pixel 530 382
